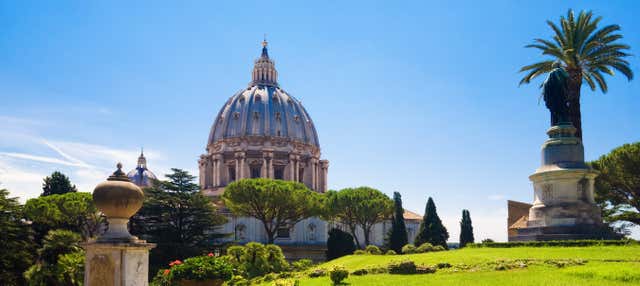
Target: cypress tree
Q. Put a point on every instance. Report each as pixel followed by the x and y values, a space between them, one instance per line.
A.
pixel 397 237
pixel 466 229
pixel 431 229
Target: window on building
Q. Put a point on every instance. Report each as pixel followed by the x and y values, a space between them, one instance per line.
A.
pixel 301 175
pixel 279 173
pixel 255 171
pixel 240 232
pixel 283 232
pixel 232 173
pixel 311 230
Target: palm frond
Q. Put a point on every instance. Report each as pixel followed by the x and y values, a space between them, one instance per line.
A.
pixel 536 70
pixel 587 78
pixel 559 37
pixel 600 80
pixel 622 68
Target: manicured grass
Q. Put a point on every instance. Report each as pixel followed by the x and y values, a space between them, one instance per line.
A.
pixel 547 266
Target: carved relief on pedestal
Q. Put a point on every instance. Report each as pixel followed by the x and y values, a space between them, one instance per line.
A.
pixel 102 270
pixel 547 192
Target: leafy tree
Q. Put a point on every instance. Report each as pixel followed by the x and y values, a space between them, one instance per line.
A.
pixel 585 52
pixel 466 229
pixel 275 203
pixel 60 260
pixel 617 187
pixel 16 239
pixel 339 244
pixel 72 211
pixel 397 237
pixel 178 218
pixel 358 207
pixel 57 184
pixel 256 259
pixel 431 228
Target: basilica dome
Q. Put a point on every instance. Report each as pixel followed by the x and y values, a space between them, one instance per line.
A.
pixel 262 131
pixel 141 176
pixel 264 109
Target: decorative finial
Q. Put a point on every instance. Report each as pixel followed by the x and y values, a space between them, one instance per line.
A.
pixel 264 41
pixel 118 175
pixel 141 151
pixel 119 165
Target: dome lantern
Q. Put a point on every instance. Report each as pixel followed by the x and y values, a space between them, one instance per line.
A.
pixel 264 69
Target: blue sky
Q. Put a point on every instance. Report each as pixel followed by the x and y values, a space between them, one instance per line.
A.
pixel 420 98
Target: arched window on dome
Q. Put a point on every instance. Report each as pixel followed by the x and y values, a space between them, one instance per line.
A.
pixel 232 173
pixel 278 172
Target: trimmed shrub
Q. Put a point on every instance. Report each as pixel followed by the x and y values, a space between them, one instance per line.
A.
pixel 425 247
pixel 302 264
pixel 238 280
pixel 390 252
pixel 339 244
pixel 372 249
pixel 360 272
pixel 338 274
pixel 402 267
pixel 438 248
pixel 553 243
pixel 408 249
pixel 443 265
pixel 286 282
pixel 425 270
pixel 318 273
pixel 359 252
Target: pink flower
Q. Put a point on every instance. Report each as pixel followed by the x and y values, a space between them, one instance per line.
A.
pixel 210 254
pixel 166 272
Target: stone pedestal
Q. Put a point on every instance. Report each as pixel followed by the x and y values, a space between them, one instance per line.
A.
pixel 117 264
pixel 563 206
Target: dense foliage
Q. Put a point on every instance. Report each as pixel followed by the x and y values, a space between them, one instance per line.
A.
pixel 73 211
pixel 275 203
pixel 57 184
pixel 60 260
pixel 397 236
pixel 256 259
pixel 559 243
pixel 585 52
pixel 339 244
pixel 358 207
pixel 16 240
pixel 338 274
pixel 431 228
pixel 466 229
pixel 178 218
pixel 618 185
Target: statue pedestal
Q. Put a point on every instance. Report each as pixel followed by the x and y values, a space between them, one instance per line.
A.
pixel 563 206
pixel 117 263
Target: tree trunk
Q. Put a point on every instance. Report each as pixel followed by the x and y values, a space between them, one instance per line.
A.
pixel 366 230
pixel 355 237
pixel 270 233
pixel 575 83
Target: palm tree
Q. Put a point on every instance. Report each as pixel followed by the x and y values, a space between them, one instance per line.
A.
pixel 585 52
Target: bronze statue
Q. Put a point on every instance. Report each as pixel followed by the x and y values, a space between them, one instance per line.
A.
pixel 556 96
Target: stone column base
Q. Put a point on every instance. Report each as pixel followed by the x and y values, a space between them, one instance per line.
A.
pixel 573 232
pixel 117 263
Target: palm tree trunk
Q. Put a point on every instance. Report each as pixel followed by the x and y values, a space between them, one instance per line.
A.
pixel 575 83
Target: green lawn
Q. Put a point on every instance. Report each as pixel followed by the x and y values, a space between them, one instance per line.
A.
pixel 606 265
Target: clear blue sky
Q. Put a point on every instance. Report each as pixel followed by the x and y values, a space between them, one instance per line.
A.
pixel 420 98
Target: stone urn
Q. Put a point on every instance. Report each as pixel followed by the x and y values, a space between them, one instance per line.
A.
pixel 118 199
pixel 212 282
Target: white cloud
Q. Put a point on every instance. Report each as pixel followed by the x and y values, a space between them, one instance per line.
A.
pixel 496 197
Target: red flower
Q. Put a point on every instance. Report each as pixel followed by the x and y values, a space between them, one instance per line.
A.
pixel 210 254
pixel 176 262
pixel 166 272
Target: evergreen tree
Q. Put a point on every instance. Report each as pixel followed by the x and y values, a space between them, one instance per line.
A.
pixel 397 237
pixel 16 238
pixel 339 244
pixel 178 218
pixel 57 184
pixel 431 229
pixel 466 229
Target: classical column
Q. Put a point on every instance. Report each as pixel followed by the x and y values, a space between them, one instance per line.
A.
pixel 292 167
pixel 240 162
pixel 203 171
pixel 214 171
pixel 314 164
pixel 325 167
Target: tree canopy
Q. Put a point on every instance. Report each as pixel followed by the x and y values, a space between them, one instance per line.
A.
pixel 57 184
pixel 466 229
pixel 18 247
pixel 585 51
pixel 339 244
pixel 358 207
pixel 617 187
pixel 275 203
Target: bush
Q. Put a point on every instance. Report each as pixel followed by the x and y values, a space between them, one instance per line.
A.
pixel 269 277
pixel 408 249
pixel 337 274
pixel 360 272
pixel 439 248
pixel 553 243
pixel 286 282
pixel 443 265
pixel 318 273
pixel 425 247
pixel 339 244
pixel 359 252
pixel 390 252
pixel 402 267
pixel 301 265
pixel 201 268
pixel 425 270
pixel 238 280
pixel 372 249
